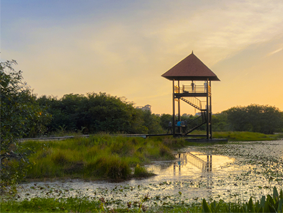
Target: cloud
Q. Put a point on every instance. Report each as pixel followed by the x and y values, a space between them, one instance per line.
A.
pixel 275 51
pixel 124 49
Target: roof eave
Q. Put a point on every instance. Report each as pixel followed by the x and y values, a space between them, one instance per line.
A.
pixel 190 78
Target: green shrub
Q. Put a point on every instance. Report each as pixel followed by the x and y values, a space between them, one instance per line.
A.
pixel 112 167
pixel 99 156
pixel 60 158
pixel 141 171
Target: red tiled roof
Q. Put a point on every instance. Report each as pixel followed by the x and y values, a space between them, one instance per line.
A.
pixel 190 68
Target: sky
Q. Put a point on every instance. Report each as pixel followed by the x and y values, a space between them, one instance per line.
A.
pixel 123 47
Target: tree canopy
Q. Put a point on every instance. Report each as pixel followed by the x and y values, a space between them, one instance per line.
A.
pixel 255 118
pixel 98 113
pixel 20 116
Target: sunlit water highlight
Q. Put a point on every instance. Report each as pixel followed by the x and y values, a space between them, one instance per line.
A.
pixel 238 171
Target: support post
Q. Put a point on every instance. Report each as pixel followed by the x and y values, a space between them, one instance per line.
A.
pixel 207 112
pixel 173 122
pixel 179 108
pixel 210 163
pixel 207 163
pixel 210 110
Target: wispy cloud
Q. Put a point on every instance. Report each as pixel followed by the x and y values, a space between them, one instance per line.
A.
pixel 275 51
pixel 123 49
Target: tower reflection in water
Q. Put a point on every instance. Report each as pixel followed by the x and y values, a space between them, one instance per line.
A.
pixel 205 166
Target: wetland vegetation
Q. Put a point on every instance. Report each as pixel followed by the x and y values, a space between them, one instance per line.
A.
pixel 256 166
pixel 236 186
pixel 111 157
pixel 96 157
pixel 267 204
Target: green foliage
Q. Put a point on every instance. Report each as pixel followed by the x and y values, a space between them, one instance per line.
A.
pixel 99 156
pixel 193 121
pixel 104 113
pixel 190 120
pixel 141 171
pixel 245 136
pixel 255 118
pixel 98 113
pixel 52 205
pixel 111 167
pixel 219 122
pixel 164 121
pixel 151 122
pixel 20 116
pixel 269 204
pixel 205 207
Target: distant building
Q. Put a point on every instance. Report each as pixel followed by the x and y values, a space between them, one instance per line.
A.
pixel 144 108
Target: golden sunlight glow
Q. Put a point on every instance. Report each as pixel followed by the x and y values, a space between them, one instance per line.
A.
pixel 125 53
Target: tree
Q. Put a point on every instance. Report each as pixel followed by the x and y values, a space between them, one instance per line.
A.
pixel 20 116
pixel 219 122
pixel 151 122
pixel 98 113
pixel 255 118
pixel 165 119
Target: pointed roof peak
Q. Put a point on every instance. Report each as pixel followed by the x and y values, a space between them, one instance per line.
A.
pixel 190 68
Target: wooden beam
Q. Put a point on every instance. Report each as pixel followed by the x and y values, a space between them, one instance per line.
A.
pixel 173 122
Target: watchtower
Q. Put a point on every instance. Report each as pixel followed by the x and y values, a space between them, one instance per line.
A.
pixel 197 93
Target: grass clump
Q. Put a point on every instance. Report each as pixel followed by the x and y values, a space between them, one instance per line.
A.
pixel 141 171
pixel 96 157
pixel 111 167
pixel 110 157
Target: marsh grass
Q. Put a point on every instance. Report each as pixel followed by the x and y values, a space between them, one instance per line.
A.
pixel 141 171
pixel 52 205
pixel 110 157
pixel 243 136
pixel 99 156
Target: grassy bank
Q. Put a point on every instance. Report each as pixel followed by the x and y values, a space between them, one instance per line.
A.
pixel 111 157
pixel 270 203
pixel 99 156
pixel 246 136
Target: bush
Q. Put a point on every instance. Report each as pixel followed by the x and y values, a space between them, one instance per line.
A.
pixel 141 171
pixel 112 167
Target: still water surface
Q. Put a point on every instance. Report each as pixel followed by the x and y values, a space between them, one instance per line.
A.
pixel 232 172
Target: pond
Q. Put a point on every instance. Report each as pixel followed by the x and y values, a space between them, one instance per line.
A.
pixel 232 172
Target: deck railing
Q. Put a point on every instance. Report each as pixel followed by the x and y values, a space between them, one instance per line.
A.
pixel 194 89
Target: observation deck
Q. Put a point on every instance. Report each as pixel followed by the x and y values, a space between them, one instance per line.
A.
pixel 189 91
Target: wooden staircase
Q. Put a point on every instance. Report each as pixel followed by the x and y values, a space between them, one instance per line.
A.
pixel 196 103
pixel 202 121
pixel 193 101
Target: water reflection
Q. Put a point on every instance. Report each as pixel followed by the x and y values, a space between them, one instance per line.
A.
pixel 234 172
pixel 191 165
pixel 188 158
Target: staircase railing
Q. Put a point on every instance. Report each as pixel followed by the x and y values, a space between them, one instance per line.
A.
pixel 193 101
pixel 202 121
